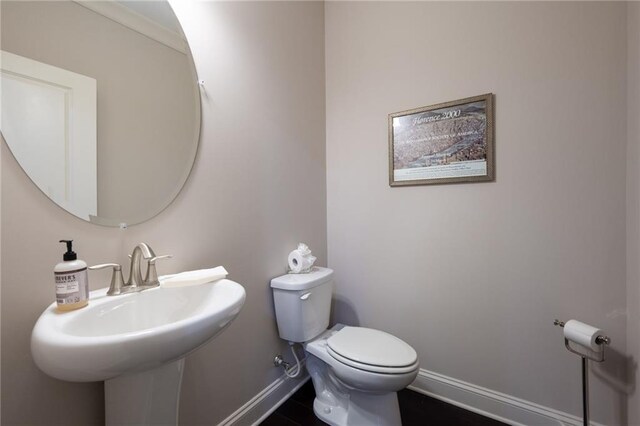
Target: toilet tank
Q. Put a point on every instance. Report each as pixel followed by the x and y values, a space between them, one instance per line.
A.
pixel 303 303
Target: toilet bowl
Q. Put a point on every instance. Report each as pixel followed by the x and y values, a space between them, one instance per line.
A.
pixel 354 384
pixel 356 371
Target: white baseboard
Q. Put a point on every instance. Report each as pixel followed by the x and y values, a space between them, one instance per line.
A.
pixel 505 408
pixel 489 403
pixel 267 401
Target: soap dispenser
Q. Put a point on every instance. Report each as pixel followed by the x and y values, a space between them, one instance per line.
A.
pixel 72 282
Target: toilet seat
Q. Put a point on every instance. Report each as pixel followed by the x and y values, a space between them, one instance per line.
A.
pixel 372 350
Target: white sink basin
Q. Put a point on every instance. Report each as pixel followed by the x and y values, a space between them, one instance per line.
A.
pixel 117 335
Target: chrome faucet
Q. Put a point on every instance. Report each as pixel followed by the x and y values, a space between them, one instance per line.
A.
pixel 135 282
pixel 142 250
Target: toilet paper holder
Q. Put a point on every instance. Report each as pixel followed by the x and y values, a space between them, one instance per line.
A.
pixel 602 341
pixel 597 356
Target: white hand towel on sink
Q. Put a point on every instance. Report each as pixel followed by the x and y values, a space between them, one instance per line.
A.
pixel 200 276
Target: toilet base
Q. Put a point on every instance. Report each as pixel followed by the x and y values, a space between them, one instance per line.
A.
pixel 352 398
pixel 362 409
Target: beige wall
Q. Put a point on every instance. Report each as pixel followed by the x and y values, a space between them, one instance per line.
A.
pixel 633 206
pixel 257 189
pixel 146 108
pixel 472 275
pixel 31 227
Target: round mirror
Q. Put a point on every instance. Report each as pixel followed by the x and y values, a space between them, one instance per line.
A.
pixel 100 104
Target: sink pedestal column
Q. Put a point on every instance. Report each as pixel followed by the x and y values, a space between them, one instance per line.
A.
pixel 145 398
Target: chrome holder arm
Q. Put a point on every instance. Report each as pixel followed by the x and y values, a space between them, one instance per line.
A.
pixel 597 356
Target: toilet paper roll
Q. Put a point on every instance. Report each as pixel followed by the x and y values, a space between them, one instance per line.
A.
pixel 299 262
pixel 582 334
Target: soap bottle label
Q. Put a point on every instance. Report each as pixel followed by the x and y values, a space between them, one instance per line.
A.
pixel 72 286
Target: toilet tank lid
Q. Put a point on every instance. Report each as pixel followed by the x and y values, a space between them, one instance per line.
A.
pixel 316 277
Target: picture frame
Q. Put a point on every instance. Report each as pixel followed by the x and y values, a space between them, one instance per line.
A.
pixel 450 142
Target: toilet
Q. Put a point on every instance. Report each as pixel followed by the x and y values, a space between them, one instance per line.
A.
pixel 356 371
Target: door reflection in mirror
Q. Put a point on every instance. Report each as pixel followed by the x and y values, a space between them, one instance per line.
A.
pixel 122 153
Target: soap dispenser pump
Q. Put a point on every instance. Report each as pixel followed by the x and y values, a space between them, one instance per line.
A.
pixel 72 282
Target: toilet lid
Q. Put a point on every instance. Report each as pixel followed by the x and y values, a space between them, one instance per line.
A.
pixel 371 347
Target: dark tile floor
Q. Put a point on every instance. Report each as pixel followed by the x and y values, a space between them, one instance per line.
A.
pixel 416 409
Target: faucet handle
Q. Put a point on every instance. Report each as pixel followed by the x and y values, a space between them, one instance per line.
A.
pixel 117 282
pixel 152 261
pixel 152 274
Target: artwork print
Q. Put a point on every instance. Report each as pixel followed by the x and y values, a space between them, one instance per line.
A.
pixel 444 143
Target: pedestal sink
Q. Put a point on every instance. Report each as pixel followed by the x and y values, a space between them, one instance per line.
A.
pixel 136 343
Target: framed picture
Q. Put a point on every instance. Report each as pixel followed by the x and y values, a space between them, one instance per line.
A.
pixel 450 142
